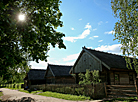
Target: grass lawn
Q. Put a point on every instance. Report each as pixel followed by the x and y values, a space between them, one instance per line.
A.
pixel 57 95
pixel 64 96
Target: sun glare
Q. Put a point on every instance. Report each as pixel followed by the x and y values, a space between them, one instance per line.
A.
pixel 21 17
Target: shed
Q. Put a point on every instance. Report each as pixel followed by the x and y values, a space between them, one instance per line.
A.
pixel 35 77
pixel 112 68
pixel 59 74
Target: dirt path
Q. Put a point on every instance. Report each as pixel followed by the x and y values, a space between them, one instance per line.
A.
pixel 17 96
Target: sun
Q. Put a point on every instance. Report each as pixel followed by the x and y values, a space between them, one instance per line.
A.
pixel 21 17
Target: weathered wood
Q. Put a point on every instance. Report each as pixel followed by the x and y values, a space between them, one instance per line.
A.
pixel 130 95
pixel 87 62
pixel 136 87
pixel 105 89
pixel 118 90
pixel 120 86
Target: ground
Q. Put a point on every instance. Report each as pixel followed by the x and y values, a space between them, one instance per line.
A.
pixel 16 96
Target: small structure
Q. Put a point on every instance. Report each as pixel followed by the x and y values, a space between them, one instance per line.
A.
pixel 59 74
pixel 112 68
pixel 34 77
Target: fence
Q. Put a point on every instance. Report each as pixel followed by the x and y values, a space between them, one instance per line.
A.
pixel 94 91
pixel 18 86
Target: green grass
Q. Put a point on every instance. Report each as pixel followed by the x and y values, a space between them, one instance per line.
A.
pixel 64 96
pixel 57 95
pixel 1 94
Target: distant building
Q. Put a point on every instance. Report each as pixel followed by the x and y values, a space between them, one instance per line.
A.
pixel 59 74
pixel 35 77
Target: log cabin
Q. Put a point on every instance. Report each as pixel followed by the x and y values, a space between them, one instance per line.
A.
pixel 59 74
pixel 112 68
pixel 34 77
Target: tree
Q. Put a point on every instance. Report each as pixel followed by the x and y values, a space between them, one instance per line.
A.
pixel 29 39
pixel 90 77
pixel 126 29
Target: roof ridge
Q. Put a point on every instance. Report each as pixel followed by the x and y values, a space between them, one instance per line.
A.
pixel 59 65
pixel 38 69
pixel 105 52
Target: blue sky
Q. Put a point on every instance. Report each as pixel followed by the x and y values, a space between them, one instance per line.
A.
pixel 88 23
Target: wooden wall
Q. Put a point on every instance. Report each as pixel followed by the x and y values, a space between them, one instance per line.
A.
pixel 87 62
pixel 49 73
pixel 125 77
pixel 65 80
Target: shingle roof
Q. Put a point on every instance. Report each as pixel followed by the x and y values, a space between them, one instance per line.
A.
pixel 112 60
pixel 60 70
pixel 36 74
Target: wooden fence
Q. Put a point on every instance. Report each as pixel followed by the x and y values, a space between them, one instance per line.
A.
pixel 18 86
pixel 94 91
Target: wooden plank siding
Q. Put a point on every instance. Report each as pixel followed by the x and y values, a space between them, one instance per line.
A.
pixel 49 73
pixel 125 77
pixel 87 62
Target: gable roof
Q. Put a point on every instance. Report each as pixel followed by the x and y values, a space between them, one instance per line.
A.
pixel 36 74
pixel 111 60
pixel 59 70
pixel 107 59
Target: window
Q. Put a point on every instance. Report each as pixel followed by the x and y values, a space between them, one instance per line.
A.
pixel 131 77
pixel 116 77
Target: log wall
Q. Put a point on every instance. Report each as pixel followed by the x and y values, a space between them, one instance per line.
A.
pixel 87 62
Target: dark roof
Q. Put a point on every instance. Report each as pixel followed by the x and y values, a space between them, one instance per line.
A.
pixel 60 70
pixel 112 60
pixel 36 74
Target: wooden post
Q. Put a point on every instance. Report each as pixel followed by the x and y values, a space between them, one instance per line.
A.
pixel 105 89
pixel 136 85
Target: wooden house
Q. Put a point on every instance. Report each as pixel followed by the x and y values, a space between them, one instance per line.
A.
pixel 35 77
pixel 112 68
pixel 59 74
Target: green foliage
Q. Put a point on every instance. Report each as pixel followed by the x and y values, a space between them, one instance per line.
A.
pixel 90 77
pixel 22 41
pixel 126 29
pixel 1 94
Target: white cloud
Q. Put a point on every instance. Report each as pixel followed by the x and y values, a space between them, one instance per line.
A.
pixel 95 29
pixel 70 63
pixel 40 65
pixel 82 36
pixel 106 22
pixel 116 48
pixel 71 57
pixel 99 23
pixel 100 40
pixel 72 29
pixel 80 19
pixel 95 36
pixel 89 47
pixel 88 26
pixel 110 32
pixel 91 38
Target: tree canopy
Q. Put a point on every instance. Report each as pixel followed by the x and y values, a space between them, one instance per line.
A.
pixel 29 39
pixel 32 36
pixel 126 29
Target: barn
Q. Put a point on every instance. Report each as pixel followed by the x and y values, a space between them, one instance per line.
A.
pixel 34 77
pixel 59 74
pixel 112 68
